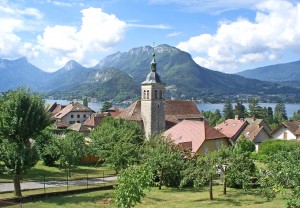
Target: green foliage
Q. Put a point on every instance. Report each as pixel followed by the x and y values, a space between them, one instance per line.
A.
pixel 106 105
pixel 117 142
pixel 22 117
pixel 240 110
pixel 296 116
pixel 131 185
pixel 165 159
pixel 68 148
pixel 280 113
pixel 213 118
pixel 85 101
pixel 255 111
pixel 244 145
pixel 227 110
pixel 43 141
pixel 283 171
pixel 273 146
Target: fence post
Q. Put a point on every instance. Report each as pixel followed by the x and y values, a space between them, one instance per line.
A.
pixel 103 176
pixel 87 180
pixel 44 183
pixel 67 181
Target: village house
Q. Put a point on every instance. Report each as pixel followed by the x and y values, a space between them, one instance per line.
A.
pixel 94 120
pixel 75 112
pixel 198 137
pixel 232 128
pixel 289 130
pixel 257 130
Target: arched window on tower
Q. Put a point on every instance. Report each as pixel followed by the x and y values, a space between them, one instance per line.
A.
pixel 144 95
pixel 160 94
pixel 155 94
pixel 148 94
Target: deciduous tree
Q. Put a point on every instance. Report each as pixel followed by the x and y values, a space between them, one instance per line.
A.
pixel 22 117
pixel 117 142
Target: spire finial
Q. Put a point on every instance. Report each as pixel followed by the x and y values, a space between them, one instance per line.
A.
pixel 153 62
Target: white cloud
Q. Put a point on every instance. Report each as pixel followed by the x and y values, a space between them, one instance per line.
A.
pixel 60 3
pixel 99 32
pixel 14 19
pixel 276 28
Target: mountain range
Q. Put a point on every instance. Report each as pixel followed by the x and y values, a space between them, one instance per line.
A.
pixel 118 76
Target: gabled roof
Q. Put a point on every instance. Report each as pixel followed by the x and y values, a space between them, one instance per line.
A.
pixel 252 131
pixel 72 107
pixel 115 109
pixel 95 119
pixel 55 108
pixel 133 112
pixel 259 122
pixel 78 127
pixel 231 127
pixel 292 126
pixel 193 133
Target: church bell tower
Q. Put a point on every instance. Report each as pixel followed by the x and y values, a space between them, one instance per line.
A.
pixel 152 102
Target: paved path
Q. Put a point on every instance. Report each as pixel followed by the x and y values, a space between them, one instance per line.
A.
pixel 8 187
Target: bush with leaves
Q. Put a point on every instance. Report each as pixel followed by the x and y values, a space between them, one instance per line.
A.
pixel 282 172
pixel 166 160
pixel 117 142
pixel 43 141
pixel 131 185
pixel 244 145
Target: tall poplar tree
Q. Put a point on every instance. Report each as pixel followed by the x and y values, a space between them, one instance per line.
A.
pixel 228 110
pixel 22 117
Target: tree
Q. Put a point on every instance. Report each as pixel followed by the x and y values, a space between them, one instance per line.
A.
pixel 43 141
pixel 165 159
pixel 22 117
pixel 85 101
pixel 227 110
pixel 296 116
pixel 240 110
pixel 282 172
pixel 107 105
pixel 244 145
pixel 117 142
pixel 255 111
pixel 201 171
pixel 280 113
pixel 69 149
pixel 131 185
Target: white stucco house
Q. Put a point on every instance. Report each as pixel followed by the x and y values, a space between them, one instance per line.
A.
pixel 289 130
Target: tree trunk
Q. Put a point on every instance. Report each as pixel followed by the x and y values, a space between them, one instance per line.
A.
pixel 210 187
pixel 160 179
pixel 17 185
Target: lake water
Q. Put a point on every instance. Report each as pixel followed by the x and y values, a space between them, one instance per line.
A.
pixel 290 108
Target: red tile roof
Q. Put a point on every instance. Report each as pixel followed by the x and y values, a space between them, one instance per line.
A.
pixel 95 119
pixel 231 127
pixel 175 111
pixel 61 124
pixel 195 132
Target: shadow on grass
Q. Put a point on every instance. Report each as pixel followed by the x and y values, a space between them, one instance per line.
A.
pixel 156 199
pixel 74 199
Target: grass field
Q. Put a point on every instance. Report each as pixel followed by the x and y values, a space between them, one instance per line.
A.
pixel 39 171
pixel 165 198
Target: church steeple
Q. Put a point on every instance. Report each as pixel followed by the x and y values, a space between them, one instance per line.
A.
pixel 152 101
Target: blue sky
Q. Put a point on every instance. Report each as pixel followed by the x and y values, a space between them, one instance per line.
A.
pixel 223 35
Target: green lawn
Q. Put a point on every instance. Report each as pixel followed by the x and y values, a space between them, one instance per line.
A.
pixel 166 198
pixel 53 173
